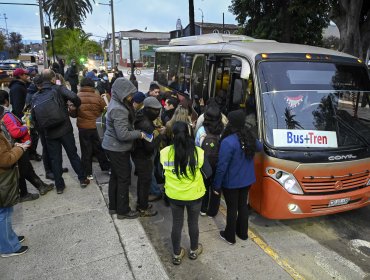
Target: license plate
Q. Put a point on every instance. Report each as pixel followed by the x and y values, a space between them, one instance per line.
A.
pixel 336 202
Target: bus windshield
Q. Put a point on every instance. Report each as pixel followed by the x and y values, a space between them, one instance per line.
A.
pixel 315 105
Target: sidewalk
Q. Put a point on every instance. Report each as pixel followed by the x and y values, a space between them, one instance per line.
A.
pixel 72 236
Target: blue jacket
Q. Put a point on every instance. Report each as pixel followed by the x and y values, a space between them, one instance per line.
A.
pixel 234 170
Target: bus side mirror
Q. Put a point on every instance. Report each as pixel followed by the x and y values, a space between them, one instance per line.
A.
pixel 238 92
pixel 33 59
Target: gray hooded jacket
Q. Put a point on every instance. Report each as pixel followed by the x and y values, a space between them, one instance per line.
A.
pixel 119 135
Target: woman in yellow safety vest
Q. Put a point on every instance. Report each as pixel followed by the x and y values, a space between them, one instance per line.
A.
pixel 183 164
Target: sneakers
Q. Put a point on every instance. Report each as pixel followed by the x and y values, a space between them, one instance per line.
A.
pixel 129 215
pixel 29 197
pixel 153 197
pixel 176 259
pixel 44 188
pixel 149 212
pixel 222 235
pixel 21 238
pixel 203 213
pixel 84 183
pixel 21 251
pixel 193 255
pixel 90 177
pixel 60 190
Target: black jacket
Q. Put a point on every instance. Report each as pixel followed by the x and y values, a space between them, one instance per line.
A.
pixel 65 95
pixel 71 75
pixel 143 148
pixel 17 95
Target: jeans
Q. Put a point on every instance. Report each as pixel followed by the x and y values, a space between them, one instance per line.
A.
pixel 119 182
pixel 54 147
pixel 143 168
pixel 8 239
pixel 154 188
pixel 237 213
pixel 193 210
pixel 90 145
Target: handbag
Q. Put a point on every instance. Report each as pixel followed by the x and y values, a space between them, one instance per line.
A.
pixel 9 189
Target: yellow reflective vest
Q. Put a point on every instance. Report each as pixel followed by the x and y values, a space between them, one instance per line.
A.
pixel 184 188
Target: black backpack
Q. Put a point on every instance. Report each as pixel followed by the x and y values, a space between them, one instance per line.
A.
pixel 211 146
pixel 48 109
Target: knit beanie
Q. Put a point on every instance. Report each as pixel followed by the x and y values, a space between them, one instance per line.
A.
pixel 138 97
pixel 236 118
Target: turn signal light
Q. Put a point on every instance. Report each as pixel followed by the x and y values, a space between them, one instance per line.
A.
pixel 308 56
pixel 264 55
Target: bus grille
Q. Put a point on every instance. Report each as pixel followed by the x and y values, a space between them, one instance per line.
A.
pixel 334 184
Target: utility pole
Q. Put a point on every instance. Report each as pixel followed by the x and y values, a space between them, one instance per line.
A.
pixel 113 35
pixel 43 33
pixel 6 26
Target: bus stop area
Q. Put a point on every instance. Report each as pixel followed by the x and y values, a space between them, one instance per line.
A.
pixel 72 236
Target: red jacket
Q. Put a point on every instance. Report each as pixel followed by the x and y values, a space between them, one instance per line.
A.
pixel 16 129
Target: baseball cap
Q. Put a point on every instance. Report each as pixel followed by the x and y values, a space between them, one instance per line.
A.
pixel 19 71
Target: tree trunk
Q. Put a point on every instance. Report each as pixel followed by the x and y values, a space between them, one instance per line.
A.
pixel 191 17
pixel 347 20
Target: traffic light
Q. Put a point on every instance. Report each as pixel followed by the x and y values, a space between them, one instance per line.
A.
pixel 47 32
pixel 82 60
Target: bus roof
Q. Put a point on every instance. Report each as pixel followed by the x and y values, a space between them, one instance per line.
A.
pixel 241 45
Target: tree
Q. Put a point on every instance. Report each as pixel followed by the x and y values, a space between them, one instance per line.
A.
pixel 291 21
pixel 331 42
pixel 353 21
pixel 74 44
pixel 191 17
pixel 2 41
pixel 15 44
pixel 68 13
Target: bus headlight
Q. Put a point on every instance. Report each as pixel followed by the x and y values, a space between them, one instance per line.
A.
pixel 287 180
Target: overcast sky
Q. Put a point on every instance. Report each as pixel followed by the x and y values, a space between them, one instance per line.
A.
pixel 155 15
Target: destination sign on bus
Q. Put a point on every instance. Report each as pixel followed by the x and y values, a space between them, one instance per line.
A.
pixel 305 138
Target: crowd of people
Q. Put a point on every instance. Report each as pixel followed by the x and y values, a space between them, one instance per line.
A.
pixel 185 158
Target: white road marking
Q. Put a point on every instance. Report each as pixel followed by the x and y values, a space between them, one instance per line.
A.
pixel 355 244
pixel 326 262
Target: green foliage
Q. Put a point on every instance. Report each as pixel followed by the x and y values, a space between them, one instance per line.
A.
pixel 292 21
pixel 73 44
pixel 2 41
pixel 68 13
pixel 15 44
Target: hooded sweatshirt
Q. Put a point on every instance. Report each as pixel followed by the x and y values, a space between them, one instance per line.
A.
pixel 119 135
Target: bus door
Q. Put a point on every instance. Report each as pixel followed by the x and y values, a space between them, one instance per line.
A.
pixel 199 82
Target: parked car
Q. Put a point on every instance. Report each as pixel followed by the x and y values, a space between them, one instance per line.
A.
pixel 7 68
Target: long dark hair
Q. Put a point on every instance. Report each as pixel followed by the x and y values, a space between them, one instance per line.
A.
pixel 185 152
pixel 246 139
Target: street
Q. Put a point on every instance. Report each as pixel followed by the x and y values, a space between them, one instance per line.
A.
pixel 328 247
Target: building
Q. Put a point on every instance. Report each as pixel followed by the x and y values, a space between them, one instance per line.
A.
pixel 203 28
pixel 144 45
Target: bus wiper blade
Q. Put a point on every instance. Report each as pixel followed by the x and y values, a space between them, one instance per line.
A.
pixel 350 128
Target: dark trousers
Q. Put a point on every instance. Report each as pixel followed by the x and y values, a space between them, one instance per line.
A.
pixel 74 87
pixel 210 201
pixel 237 213
pixel 119 182
pixel 143 170
pixel 193 209
pixel 54 147
pixel 35 140
pixel 26 172
pixel 90 145
pixel 45 154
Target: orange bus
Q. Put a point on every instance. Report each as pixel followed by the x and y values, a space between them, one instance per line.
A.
pixel 309 107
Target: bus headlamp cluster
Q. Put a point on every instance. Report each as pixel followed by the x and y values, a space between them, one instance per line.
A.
pixel 287 180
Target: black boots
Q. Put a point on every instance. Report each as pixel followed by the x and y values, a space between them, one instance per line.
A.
pixel 42 186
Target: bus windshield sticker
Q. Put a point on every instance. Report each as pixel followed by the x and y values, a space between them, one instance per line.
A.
pixel 305 138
